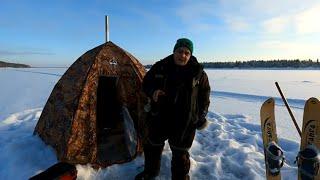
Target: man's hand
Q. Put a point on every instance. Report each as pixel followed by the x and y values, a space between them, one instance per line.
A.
pixel 156 95
pixel 202 125
pixel 202 122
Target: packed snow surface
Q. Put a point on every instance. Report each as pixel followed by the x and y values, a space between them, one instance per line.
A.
pixel 229 148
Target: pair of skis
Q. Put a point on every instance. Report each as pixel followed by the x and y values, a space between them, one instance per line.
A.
pixel 308 157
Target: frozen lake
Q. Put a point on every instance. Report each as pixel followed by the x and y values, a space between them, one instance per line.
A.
pixel 230 148
pixel 249 88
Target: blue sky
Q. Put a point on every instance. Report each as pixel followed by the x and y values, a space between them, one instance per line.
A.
pixel 56 33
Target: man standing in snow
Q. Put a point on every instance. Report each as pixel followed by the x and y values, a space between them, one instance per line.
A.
pixel 179 91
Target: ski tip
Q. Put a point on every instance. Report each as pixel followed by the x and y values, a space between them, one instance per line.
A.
pixel 313 100
pixel 269 101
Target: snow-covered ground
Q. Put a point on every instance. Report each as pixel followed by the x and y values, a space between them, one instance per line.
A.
pixel 230 148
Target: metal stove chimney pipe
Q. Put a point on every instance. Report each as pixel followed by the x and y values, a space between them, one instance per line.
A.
pixel 107 28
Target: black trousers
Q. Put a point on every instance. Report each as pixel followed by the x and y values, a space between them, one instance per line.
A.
pixel 179 145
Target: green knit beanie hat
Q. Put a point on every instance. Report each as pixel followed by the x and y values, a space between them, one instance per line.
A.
pixel 184 42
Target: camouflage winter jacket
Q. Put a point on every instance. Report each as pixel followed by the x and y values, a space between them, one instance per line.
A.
pixel 187 91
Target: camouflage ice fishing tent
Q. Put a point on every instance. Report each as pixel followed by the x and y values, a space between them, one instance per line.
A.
pixel 95 109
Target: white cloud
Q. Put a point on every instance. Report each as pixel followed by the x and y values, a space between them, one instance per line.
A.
pixel 275 16
pixel 307 21
pixel 237 24
pixel 302 22
pixel 198 16
pixel 291 49
pixel 195 10
pixel 260 8
pixel 206 15
pixel 276 25
pixel 199 27
pixel 285 20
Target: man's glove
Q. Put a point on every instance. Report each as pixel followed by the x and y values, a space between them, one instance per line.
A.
pixel 202 122
pixel 202 125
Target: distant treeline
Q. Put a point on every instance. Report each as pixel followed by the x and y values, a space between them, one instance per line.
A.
pixel 14 65
pixel 264 64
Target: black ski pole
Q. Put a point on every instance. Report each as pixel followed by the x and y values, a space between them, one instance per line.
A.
pixel 290 112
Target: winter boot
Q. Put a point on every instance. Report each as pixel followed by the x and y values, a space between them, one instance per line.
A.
pixel 274 158
pixel 60 170
pixel 184 177
pixel 308 162
pixel 180 165
pixel 145 176
pixel 152 162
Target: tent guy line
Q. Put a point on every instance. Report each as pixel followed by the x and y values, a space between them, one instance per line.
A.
pixel 37 72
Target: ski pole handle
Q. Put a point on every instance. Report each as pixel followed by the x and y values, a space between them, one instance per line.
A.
pixel 287 105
